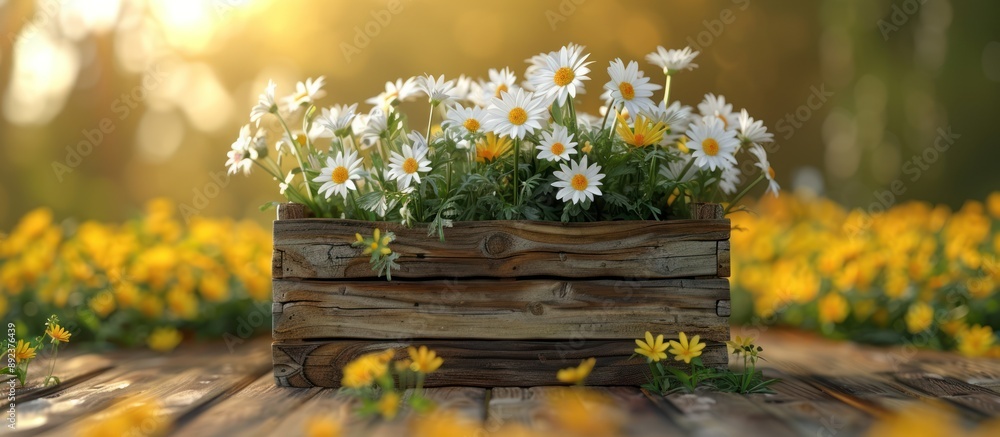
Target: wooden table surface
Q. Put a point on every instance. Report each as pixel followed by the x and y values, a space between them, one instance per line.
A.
pixel 828 389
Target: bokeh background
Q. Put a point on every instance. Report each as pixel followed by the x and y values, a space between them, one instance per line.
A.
pixel 175 80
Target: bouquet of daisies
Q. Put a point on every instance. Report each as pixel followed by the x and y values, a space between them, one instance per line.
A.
pixel 504 149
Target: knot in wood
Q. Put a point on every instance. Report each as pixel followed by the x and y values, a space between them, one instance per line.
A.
pixel 497 244
pixel 536 308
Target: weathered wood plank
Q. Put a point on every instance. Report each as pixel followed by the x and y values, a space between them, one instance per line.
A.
pixel 554 411
pixel 321 248
pixel 708 413
pixel 527 309
pixel 259 407
pixel 467 404
pixel 328 404
pixel 808 409
pixel 486 363
pixel 724 266
pixel 644 419
pixel 71 370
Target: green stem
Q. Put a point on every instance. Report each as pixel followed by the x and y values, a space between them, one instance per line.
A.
pixel 607 113
pixel 298 156
pixel 611 130
pixel 430 117
pixel 517 153
pixel 743 193
pixel 684 171
pixel 666 91
pixel 572 115
pixel 52 368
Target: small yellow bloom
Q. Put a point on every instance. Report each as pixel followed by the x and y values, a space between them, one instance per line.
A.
pixel 323 427
pixel 378 243
pixel 445 423
pixel 833 308
pixel 388 405
pixel 58 334
pixel 587 147
pixel 424 360
pixel 918 420
pixel 163 339
pixel 102 304
pixel 576 375
pixel 584 413
pixel 492 147
pixel 23 351
pixel 976 340
pixel 739 344
pixel 684 350
pixel 653 349
pixel 919 317
pixel 645 132
pixel 363 371
pixel 993 204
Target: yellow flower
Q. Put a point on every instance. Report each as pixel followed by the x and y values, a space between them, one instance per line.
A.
pixel 378 243
pixel 388 405
pixel 576 375
pixel 445 423
pixel 424 360
pixel 582 412
pixel 135 415
pixel 363 371
pixel 919 317
pixel 492 147
pixel 980 288
pixel 102 304
pixel 58 334
pixel 683 350
pixel 739 344
pixel 163 339
pixel 652 349
pixel 833 308
pixel 23 351
pixel 323 427
pixel 587 147
pixel 918 420
pixel 993 204
pixel 976 340
pixel 644 133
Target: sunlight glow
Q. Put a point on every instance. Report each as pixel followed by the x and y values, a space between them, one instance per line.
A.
pixel 44 70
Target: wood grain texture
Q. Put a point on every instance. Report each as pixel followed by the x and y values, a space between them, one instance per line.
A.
pixel 724 268
pixel 486 363
pixel 474 309
pixel 321 248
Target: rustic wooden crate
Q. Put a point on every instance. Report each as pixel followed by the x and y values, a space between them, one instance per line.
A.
pixel 505 303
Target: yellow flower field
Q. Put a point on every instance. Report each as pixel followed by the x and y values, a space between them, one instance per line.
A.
pixel 917 274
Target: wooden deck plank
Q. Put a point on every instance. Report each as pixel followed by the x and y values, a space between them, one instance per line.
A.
pixel 71 370
pixel 327 404
pixel 644 419
pixel 259 407
pixel 181 383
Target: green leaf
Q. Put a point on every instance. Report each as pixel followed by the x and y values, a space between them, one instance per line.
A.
pixel 268 205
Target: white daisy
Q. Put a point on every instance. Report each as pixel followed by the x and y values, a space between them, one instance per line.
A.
pixel 240 152
pixel 466 120
pixel 406 167
pixel 438 90
pixel 629 86
pixel 716 106
pixel 672 61
pixel 404 91
pixel 561 74
pixel 557 146
pixel 418 143
pixel 677 117
pixel 515 115
pixel 753 131
pixel 501 81
pixel 265 103
pixel 578 182
pixel 712 145
pixel 730 180
pixel 463 87
pixel 339 174
pixel 338 119
pixel 305 93
pixel 765 167
pixel 284 145
pixel 375 124
pixel 674 170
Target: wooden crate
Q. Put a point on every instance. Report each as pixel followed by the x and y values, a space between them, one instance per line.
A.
pixel 505 303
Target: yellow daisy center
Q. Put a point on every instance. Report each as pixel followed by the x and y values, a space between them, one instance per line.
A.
pixel 579 182
pixel 640 140
pixel 770 172
pixel 501 88
pixel 517 116
pixel 471 124
pixel 339 175
pixel 628 93
pixel 564 76
pixel 410 165
pixel 557 149
pixel 301 139
pixel 710 146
